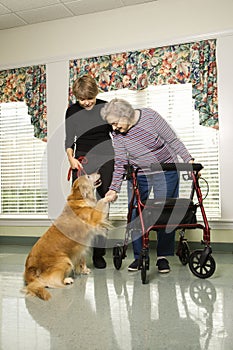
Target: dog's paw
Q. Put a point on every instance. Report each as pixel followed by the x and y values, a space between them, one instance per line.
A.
pixel 102 204
pixel 68 280
pixel 86 271
pixel 103 200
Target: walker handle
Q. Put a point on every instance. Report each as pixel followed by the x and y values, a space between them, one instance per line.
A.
pixel 176 166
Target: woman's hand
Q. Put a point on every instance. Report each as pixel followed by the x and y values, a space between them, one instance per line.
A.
pixel 111 196
pixel 75 164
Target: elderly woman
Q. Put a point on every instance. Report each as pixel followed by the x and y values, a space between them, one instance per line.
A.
pixel 142 137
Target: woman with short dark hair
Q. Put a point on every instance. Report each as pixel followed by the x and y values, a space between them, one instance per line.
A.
pixel 88 144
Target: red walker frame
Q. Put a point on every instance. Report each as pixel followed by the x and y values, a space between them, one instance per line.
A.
pixel 201 262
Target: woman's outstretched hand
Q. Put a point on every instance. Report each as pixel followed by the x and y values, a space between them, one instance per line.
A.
pixel 111 196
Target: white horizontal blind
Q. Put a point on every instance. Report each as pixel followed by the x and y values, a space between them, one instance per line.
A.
pixel 174 102
pixel 23 164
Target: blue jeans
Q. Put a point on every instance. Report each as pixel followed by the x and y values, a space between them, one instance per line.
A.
pixel 164 185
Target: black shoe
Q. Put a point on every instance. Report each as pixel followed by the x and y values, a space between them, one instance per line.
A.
pixel 163 265
pixel 133 266
pixel 99 262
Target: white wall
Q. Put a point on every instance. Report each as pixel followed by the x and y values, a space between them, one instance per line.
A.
pixel 162 22
pixel 225 80
pixel 57 99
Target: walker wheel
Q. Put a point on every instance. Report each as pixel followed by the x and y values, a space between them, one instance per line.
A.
pixel 143 270
pixel 144 266
pixel 204 270
pixel 117 257
pixel 185 253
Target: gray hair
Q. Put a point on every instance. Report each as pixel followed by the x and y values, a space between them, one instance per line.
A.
pixel 119 108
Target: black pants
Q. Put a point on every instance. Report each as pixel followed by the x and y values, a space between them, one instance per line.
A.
pixel 105 172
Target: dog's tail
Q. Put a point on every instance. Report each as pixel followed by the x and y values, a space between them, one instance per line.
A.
pixel 37 288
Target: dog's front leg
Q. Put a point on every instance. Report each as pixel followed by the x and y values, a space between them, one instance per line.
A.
pixel 103 206
pixel 81 267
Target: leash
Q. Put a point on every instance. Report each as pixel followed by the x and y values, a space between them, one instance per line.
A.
pixel 80 171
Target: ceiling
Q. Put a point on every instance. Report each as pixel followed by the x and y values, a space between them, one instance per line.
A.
pixel 16 13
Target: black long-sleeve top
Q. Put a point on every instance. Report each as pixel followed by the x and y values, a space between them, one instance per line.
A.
pixel 87 130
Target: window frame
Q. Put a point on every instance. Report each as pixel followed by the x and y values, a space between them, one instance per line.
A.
pixel 28 155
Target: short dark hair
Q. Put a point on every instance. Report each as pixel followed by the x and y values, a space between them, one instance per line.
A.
pixel 85 88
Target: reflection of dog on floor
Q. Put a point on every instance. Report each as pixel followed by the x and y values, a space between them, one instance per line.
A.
pixel 61 250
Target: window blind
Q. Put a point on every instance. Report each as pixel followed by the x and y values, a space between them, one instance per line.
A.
pixel 23 159
pixel 174 102
pixel 23 164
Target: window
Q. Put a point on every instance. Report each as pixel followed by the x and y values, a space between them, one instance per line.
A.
pixel 175 104
pixel 23 164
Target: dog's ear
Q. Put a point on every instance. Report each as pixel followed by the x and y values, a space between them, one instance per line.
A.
pixel 76 192
pixel 75 184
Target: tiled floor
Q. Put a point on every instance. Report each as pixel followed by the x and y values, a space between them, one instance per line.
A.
pixel 112 309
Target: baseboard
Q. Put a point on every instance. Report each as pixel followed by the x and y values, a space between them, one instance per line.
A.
pixel 18 240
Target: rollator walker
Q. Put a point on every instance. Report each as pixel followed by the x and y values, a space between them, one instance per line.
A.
pixel 170 214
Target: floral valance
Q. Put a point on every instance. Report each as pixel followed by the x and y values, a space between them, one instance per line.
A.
pixel 27 84
pixel 176 64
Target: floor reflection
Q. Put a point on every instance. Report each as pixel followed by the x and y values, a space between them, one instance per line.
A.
pixel 112 309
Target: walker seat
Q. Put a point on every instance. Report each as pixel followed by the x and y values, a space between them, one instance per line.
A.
pixel 172 211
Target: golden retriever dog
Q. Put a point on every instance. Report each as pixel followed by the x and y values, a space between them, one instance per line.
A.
pixel 61 251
